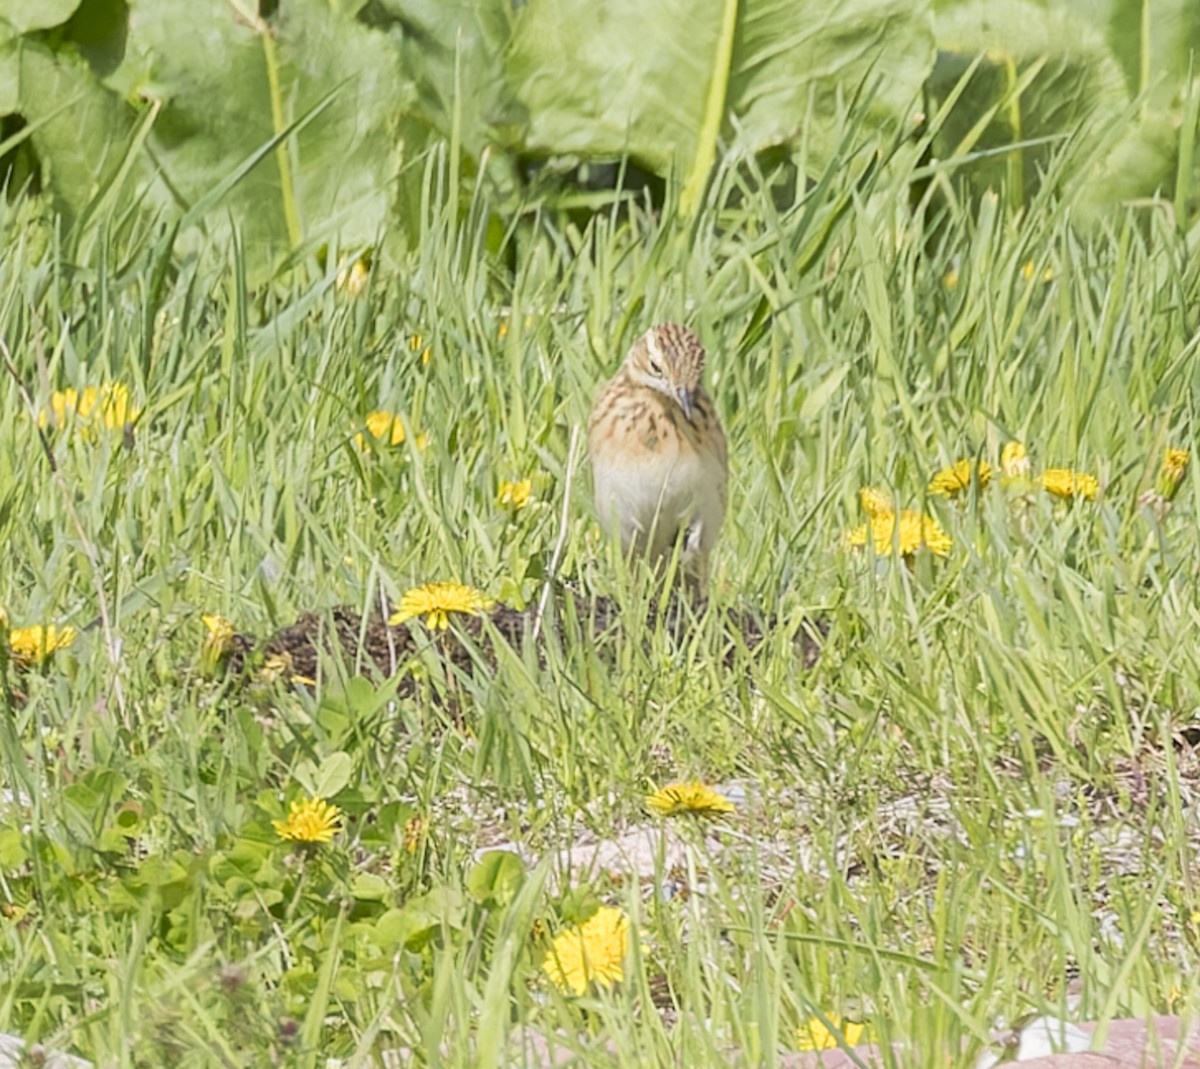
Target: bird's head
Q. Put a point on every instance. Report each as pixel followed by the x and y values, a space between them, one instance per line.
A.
pixel 670 359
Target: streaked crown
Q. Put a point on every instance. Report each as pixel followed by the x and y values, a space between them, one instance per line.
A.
pixel 670 359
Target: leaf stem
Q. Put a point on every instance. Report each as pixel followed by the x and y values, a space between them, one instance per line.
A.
pixel 714 114
pixel 279 124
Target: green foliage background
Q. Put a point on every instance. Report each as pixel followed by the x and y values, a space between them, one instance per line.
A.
pixel 978 804
pixel 305 123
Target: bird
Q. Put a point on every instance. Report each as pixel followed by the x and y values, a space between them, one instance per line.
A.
pixel 659 460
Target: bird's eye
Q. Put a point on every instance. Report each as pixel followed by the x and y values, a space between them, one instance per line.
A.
pixel 655 368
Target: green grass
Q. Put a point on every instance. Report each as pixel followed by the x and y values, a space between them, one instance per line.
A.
pixel 975 789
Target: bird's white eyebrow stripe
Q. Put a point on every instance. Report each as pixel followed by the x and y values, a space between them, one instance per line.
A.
pixel 652 346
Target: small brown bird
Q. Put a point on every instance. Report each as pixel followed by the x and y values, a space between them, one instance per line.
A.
pixel 658 452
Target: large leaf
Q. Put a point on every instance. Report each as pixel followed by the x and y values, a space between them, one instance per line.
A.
pixel 26 15
pixel 1158 47
pixel 99 31
pixel 796 65
pixel 1077 90
pixel 629 77
pixel 228 83
pixel 614 78
pixel 455 52
pixel 82 130
pixel 1152 42
pixel 10 74
pixel 458 47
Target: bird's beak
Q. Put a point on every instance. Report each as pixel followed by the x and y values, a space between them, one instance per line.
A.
pixel 684 396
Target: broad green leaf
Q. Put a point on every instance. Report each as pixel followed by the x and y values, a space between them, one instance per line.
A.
pixel 1140 164
pixel 99 30
pixel 797 65
pixel 12 848
pixel 10 76
pixel 579 904
pixel 159 872
pixel 82 128
pixel 370 887
pixel 333 774
pixel 229 84
pixel 604 80
pixel 26 15
pixel 627 77
pixel 1077 89
pixel 1156 45
pixel 496 877
pixel 410 927
pixel 1095 58
pixel 327 778
pixel 420 919
pixel 454 50
pixel 457 46
pixel 1152 42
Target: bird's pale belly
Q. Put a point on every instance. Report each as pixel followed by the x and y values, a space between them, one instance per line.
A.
pixel 649 503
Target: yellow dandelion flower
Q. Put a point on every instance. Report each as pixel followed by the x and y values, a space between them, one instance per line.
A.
pixel 383 427
pixel 594 950
pixel 220 631
pixel 276 667
pixel 35 645
pixel 951 481
pixel 856 537
pixel 436 601
pixel 1029 269
pixel 67 404
pixel 951 278
pixel 14 911
pixel 1176 461
pixel 414 832
pixel 916 530
pixel 417 344
pixel 116 409
pixel 353 278
pixel 108 407
pixel 814 1034
pixel 1063 482
pixel 516 494
pixel 386 428
pixel 218 641
pixel 281 667
pixel 906 534
pixel 1170 475
pixel 1014 460
pixel 312 821
pixel 502 329
pixel 695 797
pixel 876 502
